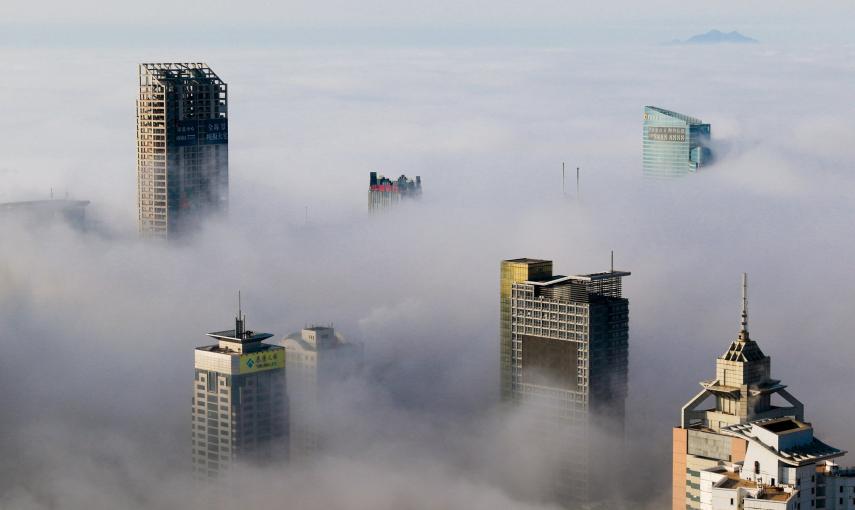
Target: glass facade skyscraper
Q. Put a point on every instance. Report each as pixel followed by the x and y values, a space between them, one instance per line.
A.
pixel 674 144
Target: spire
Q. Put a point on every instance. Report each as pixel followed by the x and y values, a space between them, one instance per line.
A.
pixel 743 324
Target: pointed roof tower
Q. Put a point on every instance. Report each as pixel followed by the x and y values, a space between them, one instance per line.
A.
pixel 743 349
pixel 743 386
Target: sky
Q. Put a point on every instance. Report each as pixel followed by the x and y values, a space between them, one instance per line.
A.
pixel 99 328
pixel 103 23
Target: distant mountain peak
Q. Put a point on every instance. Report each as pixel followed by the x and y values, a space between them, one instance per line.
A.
pixel 718 37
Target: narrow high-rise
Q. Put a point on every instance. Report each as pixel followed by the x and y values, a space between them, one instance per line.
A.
pixel 673 144
pixel 567 368
pixel 182 148
pixel 318 360
pixel 240 403
pixel 750 448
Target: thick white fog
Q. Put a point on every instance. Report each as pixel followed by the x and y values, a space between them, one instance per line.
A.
pixel 98 329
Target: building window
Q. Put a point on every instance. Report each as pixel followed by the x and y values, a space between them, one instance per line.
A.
pixel 756 467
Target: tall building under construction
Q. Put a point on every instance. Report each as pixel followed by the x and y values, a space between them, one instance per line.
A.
pixel 743 442
pixel 564 351
pixel 240 404
pixel 182 148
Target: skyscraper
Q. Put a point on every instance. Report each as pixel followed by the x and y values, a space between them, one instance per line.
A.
pixel 749 451
pixel 568 366
pixel 182 148
pixel 673 144
pixel 240 403
pixel 317 358
pixel 384 192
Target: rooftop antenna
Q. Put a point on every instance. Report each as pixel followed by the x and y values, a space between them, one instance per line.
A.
pixel 743 325
pixel 613 261
pixel 239 320
pixel 577 183
pixel 563 179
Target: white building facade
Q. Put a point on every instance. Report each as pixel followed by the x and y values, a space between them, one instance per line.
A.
pixel 240 404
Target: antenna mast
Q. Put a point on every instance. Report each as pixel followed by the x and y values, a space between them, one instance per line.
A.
pixel 563 179
pixel 743 325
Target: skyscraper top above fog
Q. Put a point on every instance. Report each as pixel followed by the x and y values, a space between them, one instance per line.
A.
pixel 674 144
pixel 182 147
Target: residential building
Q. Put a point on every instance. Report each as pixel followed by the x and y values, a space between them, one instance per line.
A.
pixel 750 448
pixel 568 370
pixel 240 403
pixel 318 361
pixel 674 144
pixel 182 148
pixel 384 192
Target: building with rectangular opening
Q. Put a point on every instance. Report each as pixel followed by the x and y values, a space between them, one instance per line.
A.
pixel 567 369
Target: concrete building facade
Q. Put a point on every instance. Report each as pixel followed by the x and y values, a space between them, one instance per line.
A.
pixel 240 403
pixel 568 369
pixel 317 359
pixel 752 449
pixel 673 144
pixel 182 148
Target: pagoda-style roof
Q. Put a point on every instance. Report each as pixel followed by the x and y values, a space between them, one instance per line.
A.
pixel 745 350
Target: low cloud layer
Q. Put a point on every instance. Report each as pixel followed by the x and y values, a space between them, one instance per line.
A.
pixel 98 329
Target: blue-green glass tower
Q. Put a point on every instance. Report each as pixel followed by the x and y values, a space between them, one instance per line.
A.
pixel 674 144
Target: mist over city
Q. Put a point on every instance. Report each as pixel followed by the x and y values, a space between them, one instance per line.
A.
pixel 100 325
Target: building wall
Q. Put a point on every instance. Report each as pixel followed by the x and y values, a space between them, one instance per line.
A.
pixel 587 343
pixel 236 417
pixel 512 272
pixel 663 158
pixel 312 373
pixel 678 468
